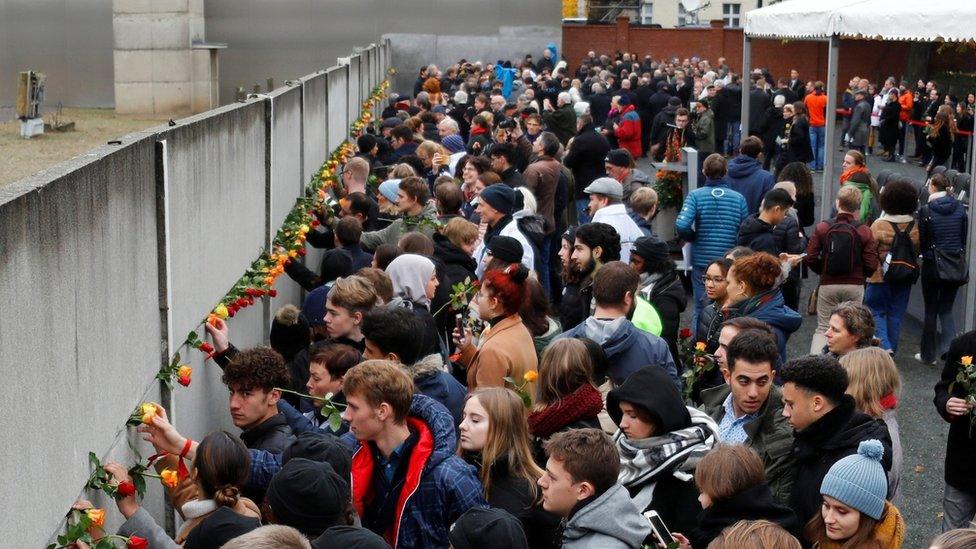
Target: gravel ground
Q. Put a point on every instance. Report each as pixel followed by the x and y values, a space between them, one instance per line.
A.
pixel 93 128
pixel 923 433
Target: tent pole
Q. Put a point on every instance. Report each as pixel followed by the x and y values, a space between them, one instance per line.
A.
pixel 746 69
pixel 969 316
pixel 829 187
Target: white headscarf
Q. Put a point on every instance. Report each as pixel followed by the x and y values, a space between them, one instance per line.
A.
pixel 410 274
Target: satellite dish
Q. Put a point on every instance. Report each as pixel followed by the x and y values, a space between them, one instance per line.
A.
pixel 691 5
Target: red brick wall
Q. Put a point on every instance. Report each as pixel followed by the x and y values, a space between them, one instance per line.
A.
pixel 870 59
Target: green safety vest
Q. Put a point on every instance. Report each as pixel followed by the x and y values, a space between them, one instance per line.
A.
pixel 646 317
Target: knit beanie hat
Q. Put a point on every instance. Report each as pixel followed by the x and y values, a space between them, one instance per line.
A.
pixel 313 308
pixel 453 143
pixel 389 189
pixel 321 447
pixel 308 496
pixel 506 248
pixel 859 480
pixel 480 527
pixel 499 196
pixel 290 332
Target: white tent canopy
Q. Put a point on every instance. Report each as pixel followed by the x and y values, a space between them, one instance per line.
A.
pixel 928 21
pixel 892 20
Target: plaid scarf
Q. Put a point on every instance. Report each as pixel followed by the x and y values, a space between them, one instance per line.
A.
pixel 677 452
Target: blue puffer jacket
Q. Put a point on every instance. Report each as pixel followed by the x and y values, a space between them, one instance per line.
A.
pixel 710 220
pixel 945 225
pixel 771 309
pixel 747 176
pixel 439 485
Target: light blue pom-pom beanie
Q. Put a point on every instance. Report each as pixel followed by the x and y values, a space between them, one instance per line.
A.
pixel 859 481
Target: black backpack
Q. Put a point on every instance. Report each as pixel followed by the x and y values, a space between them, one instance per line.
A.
pixel 842 249
pixel 901 264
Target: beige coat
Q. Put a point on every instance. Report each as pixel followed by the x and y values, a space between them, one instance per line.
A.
pixel 884 235
pixel 506 349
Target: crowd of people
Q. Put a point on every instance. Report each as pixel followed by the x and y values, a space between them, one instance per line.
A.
pixel 490 352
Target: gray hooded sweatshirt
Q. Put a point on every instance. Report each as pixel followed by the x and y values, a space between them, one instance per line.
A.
pixel 609 522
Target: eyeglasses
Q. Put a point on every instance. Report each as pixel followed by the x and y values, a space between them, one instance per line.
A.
pixel 713 279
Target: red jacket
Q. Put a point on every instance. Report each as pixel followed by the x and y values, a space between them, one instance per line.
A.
pixel 869 252
pixel 628 131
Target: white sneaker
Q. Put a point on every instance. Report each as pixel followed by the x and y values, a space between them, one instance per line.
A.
pixel 918 357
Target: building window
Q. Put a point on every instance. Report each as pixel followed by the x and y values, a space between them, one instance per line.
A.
pixel 647 13
pixel 730 13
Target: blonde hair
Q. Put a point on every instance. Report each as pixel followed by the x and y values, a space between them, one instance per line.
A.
pixel 755 533
pixel 354 293
pixel 788 186
pixel 270 536
pixel 358 167
pixel 565 366
pixel 872 376
pixel 460 231
pixel 508 437
pixel 431 147
pixel 287 315
pixel 379 381
pixel 403 170
pixel 643 200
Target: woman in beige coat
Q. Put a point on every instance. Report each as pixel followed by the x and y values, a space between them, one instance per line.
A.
pixel 506 348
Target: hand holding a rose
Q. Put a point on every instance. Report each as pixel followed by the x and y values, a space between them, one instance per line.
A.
pixel 164 437
pixel 128 504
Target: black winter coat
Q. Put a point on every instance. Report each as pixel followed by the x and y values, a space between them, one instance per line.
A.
pixel 752 504
pixel 888 131
pixel 453 266
pixel 943 224
pixel 834 436
pixel 575 305
pixel 760 236
pixel 669 298
pixel 585 158
pixel 513 495
pixel 273 435
pixel 797 148
pixel 960 471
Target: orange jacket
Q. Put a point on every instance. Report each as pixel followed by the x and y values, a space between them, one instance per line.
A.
pixel 906 101
pixel 816 108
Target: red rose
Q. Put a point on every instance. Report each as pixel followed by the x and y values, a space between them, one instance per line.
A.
pixel 685 333
pixel 206 347
pixel 126 489
pixel 273 293
pixel 135 542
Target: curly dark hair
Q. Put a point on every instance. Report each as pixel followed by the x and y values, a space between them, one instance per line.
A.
pixel 602 235
pixel 821 374
pixel 899 198
pixel 257 368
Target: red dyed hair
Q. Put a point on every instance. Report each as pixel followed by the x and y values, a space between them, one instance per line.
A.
pixel 508 286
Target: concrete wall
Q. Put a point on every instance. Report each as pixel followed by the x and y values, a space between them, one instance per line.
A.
pixel 72 40
pixel 110 259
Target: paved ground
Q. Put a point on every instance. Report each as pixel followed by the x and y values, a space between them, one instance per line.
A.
pixel 93 128
pixel 923 433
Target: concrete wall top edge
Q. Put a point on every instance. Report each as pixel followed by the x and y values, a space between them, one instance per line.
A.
pixel 41 179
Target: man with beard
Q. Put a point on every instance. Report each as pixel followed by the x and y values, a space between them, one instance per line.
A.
pixel 584 251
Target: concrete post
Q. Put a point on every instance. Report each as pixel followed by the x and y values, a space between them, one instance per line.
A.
pixel 157 71
pixel 829 186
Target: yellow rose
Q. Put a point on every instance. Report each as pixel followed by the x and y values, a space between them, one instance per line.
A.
pixel 531 376
pixel 966 361
pixel 148 412
pixel 97 516
pixel 220 311
pixel 700 346
pixel 169 478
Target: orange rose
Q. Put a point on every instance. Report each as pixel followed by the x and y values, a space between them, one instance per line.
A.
pixel 183 375
pixel 148 412
pixel 966 361
pixel 169 478
pixel 700 346
pixel 531 376
pixel 97 516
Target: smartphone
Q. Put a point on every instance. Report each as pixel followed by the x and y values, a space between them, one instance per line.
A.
pixel 459 322
pixel 661 531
